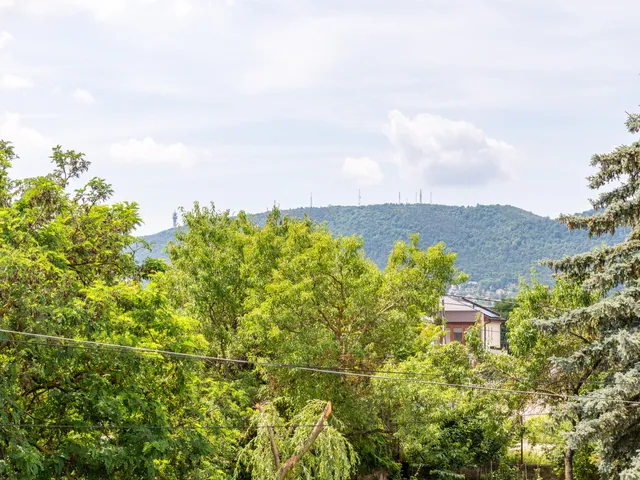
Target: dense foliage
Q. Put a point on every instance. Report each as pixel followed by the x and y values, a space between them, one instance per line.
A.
pixel 609 349
pixel 495 244
pixel 305 315
pixel 65 271
pixel 451 429
pixel 534 353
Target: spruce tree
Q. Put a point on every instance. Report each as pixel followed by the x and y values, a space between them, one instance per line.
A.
pixel 611 354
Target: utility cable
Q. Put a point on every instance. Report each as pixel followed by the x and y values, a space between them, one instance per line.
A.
pixel 321 369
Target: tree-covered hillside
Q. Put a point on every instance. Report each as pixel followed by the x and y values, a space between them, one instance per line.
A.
pixel 495 243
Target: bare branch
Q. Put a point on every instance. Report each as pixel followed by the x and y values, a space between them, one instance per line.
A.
pixel 289 464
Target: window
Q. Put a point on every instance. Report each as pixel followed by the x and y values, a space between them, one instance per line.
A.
pixel 457 335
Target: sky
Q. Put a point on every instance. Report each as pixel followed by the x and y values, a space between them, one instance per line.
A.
pixel 247 103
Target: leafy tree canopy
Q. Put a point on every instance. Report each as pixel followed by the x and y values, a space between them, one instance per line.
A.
pixel 495 244
pixel 66 270
pixel 285 293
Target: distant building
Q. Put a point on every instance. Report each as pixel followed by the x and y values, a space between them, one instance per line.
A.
pixel 459 314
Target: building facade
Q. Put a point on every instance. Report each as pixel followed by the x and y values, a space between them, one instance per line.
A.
pixel 458 314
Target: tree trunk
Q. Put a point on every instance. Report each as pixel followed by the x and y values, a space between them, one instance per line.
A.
pixel 289 464
pixel 568 463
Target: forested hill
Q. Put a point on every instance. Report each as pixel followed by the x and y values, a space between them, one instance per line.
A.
pixel 495 244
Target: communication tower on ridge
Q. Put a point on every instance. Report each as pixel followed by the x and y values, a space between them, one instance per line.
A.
pixel 175 219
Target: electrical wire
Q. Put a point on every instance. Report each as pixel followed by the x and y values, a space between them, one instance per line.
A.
pixel 338 369
pixel 211 361
pixel 325 370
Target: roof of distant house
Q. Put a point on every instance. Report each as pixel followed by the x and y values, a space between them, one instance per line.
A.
pixel 463 304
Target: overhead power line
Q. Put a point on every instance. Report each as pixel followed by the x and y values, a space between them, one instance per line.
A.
pixel 343 369
pixel 322 369
pixel 211 359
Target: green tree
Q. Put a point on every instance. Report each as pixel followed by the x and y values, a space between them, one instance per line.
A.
pixel 328 305
pixel 208 275
pixel 534 352
pixel 442 428
pixel 67 270
pixel 292 293
pixel 306 447
pixel 610 325
pixel 505 306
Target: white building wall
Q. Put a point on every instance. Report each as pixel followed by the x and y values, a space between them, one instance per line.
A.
pixel 490 334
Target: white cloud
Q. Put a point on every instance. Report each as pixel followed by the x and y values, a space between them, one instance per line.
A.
pixel 83 96
pixel 149 152
pixel 24 138
pixel 9 81
pixel 363 170
pixel 5 38
pixel 439 151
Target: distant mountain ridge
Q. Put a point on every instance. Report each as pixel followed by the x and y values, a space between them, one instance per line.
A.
pixel 496 244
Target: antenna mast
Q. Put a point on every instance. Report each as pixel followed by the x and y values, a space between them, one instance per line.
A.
pixel 175 219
